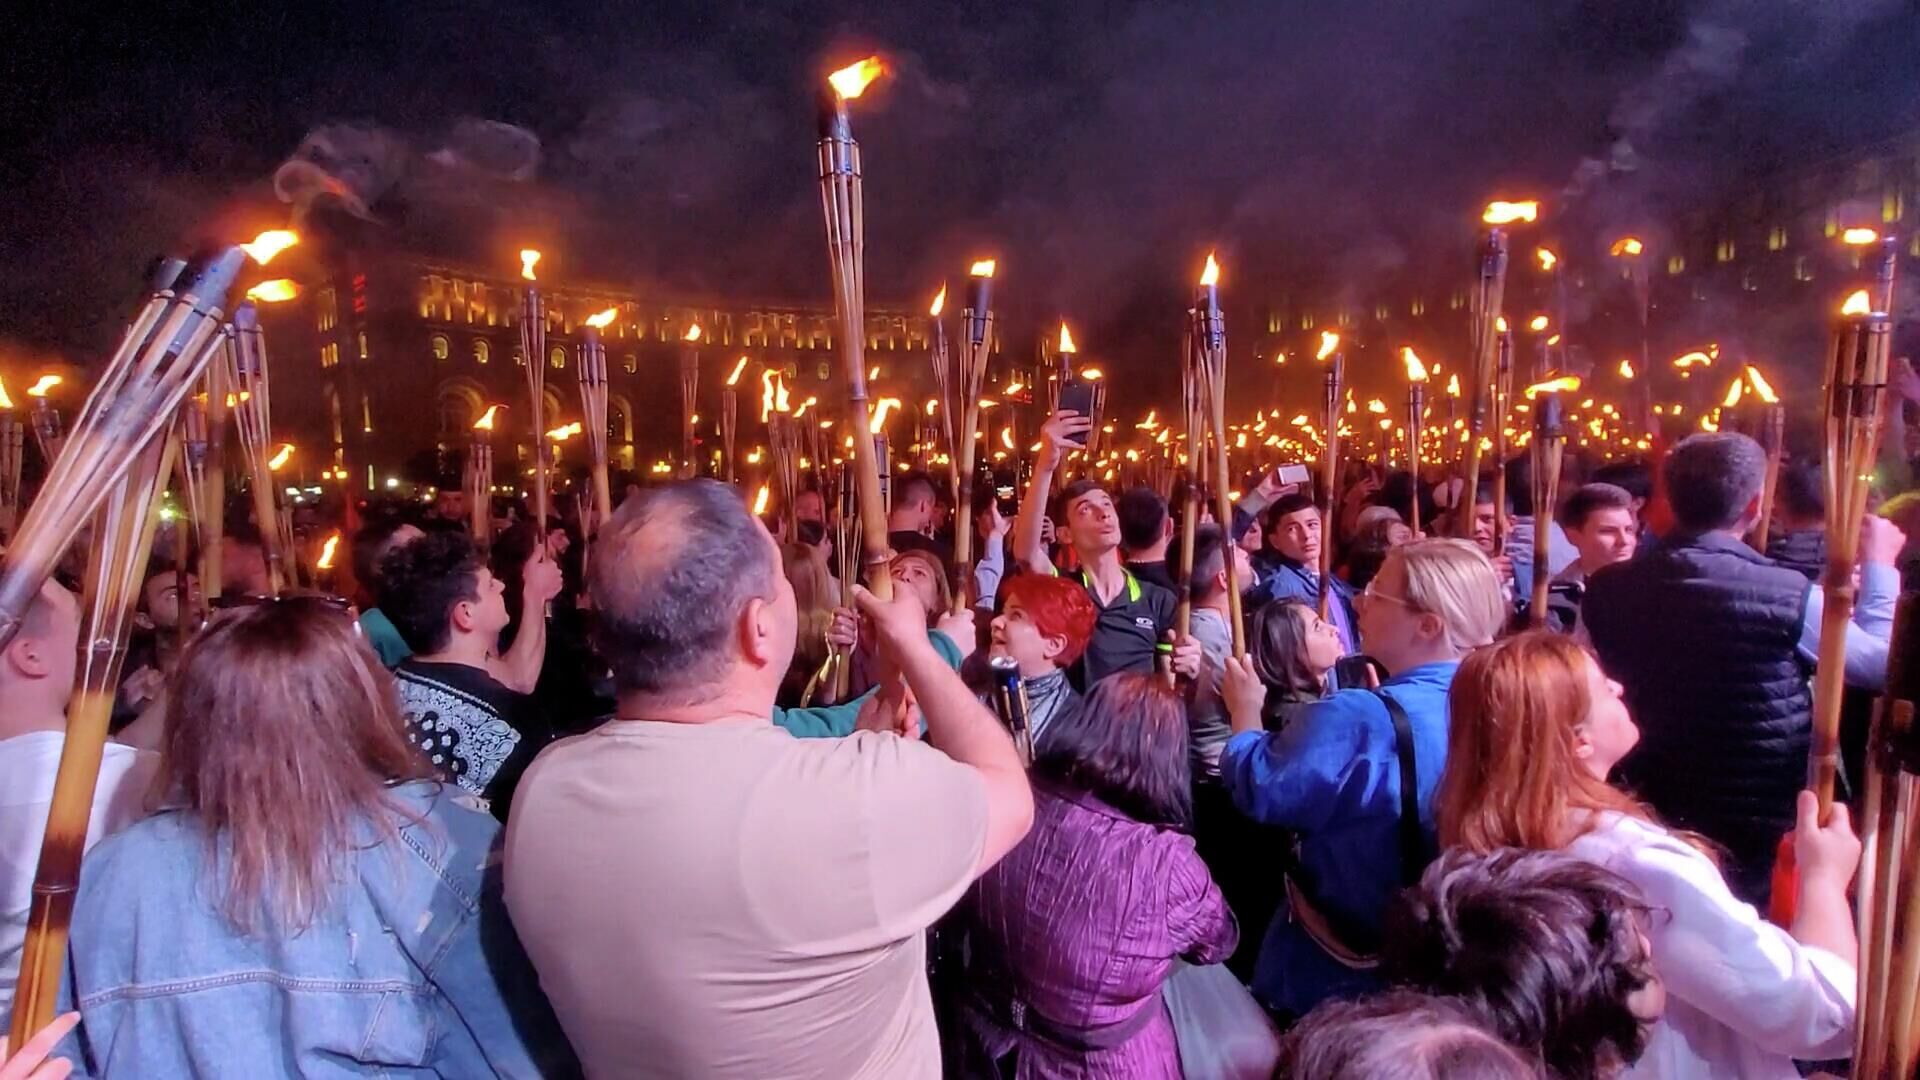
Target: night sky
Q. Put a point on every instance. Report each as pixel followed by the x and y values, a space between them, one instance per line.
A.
pixel 1100 148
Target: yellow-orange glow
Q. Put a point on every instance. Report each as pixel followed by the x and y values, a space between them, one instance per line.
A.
pixel 327 551
pixel 1300 421
pixel 528 257
pixel 852 81
pixel 1066 340
pixel 603 319
pixel 1376 406
pixel 1734 393
pixel 1329 341
pixel 1857 304
pixel 280 458
pixel 273 292
pixel 232 399
pixel 1453 386
pixel 1150 423
pixel 6 400
pixel 692 334
pixel 939 302
pixel 564 432
pixel 760 500
pixel 1014 387
pixel 1858 237
pixel 43 384
pixel 1547 258
pixel 932 406
pixel 734 378
pixel 1693 359
pixel 1211 275
pixel 1761 387
pixel 883 411
pixel 1506 213
pixel 485 423
pixel 804 406
pixel 1537 323
pixel 982 268
pixel 773 395
pixel 1627 245
pixel 270 243
pixel 1500 323
pixel 1416 371
pixel 1626 369
pixel 1565 384
pixel 1092 374
pixel 1006 438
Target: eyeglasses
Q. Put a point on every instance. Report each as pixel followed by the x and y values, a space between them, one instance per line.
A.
pixel 1369 595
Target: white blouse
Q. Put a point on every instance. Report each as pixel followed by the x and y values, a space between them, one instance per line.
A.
pixel 1743 998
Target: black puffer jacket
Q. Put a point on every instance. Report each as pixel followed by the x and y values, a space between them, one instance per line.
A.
pixel 1804 550
pixel 1703 633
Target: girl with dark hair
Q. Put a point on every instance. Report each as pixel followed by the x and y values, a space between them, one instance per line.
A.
pixel 1293 650
pixel 573 688
pixel 1536 727
pixel 307 903
pixel 1071 936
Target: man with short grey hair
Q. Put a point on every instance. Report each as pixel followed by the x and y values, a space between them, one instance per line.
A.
pixel 703 893
pixel 1714 644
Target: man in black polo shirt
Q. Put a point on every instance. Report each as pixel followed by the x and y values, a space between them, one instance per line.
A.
pixel 1135 617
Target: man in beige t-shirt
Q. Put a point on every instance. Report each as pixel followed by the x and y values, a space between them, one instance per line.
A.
pixel 705 895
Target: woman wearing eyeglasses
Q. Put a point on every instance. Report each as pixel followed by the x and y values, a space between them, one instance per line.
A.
pixel 1353 776
pixel 308 902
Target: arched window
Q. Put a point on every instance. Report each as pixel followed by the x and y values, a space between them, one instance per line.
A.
pixel 630 363
pixel 482 352
pixel 519 357
pixel 442 348
pixel 557 357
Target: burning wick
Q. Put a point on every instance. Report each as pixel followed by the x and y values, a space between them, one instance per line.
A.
pixel 485 423
pixel 273 292
pixel 565 432
pixel 1416 370
pixel 734 378
pixel 1210 276
pixel 1699 359
pixel 939 303
pixel 1091 374
pixel 528 257
pixel 270 243
pixel 1329 341
pixel 280 458
pixel 1453 386
pixel 6 401
pixel 1537 323
pixel 881 411
pixel 1627 245
pixel 760 501
pixel 1859 237
pixel 1626 369
pixel 327 550
pixel 1547 258
pixel 982 268
pixel 1761 387
pixel 1857 304
pixel 692 334
pixel 602 320
pixel 1564 384
pixel 1506 213
pixel 42 385
pixel 1734 391
pixel 1066 340
pixel 773 396
pixel 852 81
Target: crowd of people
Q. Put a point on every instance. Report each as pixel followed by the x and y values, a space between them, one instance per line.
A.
pixel 660 801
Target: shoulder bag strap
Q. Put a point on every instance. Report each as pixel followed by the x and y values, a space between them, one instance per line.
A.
pixel 1413 838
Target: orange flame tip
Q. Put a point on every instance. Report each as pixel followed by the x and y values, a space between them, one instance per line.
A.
pixel 1564 384
pixel 528 257
pixel 1695 359
pixel 852 81
pixel 1211 275
pixel 1376 406
pixel 1626 369
pixel 6 400
pixel 485 423
pixel 1506 213
pixel 737 369
pixel 1734 392
pixel 270 243
pixel 280 458
pixel 1066 340
pixel 604 319
pixel 1857 304
pixel 1537 323
pixel 982 268
pixel 760 500
pixel 1416 370
pixel 327 552
pixel 1500 323
pixel 564 432
pixel 692 334
pixel 1453 386
pixel 1547 258
pixel 44 384
pixel 1329 341
pixel 1761 387
pixel 882 412
pixel 273 292
pixel 1091 374
pixel 939 303
pixel 1627 245
pixel 1859 237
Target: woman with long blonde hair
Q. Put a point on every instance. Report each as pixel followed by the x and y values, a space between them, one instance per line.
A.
pixel 1535 729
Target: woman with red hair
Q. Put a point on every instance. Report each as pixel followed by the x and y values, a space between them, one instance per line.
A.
pixel 1043 625
pixel 1535 729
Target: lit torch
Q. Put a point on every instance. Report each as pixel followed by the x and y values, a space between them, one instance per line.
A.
pixel 1331 388
pixel 689 398
pixel 783 440
pixel 12 441
pixel 730 418
pixel 1773 423
pixel 842 205
pixel 1549 443
pixel 1416 407
pixel 478 475
pixel 533 349
pixel 593 410
pixel 47 434
pixel 1210 360
pixel 253 418
pixel 963 404
pixel 1488 295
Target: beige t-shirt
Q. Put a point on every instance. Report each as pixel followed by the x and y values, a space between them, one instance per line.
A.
pixel 725 900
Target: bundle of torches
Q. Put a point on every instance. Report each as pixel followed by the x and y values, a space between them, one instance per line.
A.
pixel 186 368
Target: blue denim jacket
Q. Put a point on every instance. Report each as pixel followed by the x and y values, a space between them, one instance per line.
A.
pixel 414 969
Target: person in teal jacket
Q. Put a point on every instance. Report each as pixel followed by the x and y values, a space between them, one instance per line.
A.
pixel 837 721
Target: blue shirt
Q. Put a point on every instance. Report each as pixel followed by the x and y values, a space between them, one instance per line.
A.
pixel 1281 577
pixel 1332 776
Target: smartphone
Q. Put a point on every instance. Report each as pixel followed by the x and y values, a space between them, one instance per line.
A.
pixel 1078 397
pixel 1293 474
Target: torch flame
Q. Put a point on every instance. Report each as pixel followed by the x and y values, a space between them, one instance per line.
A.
pixel 760 501
pixel 280 458
pixel 692 334
pixel 1329 341
pixel 564 432
pixel 1091 374
pixel 1858 237
pixel 42 385
pixel 1500 323
pixel 1734 391
pixel 773 395
pixel 804 406
pixel 528 257
pixel 1627 245
pixel 1453 386
pixel 939 302
pixel 1300 421
pixel 1376 406
pixel 270 243
pixel 1761 387
pixel 485 423
pixel 1537 323
pixel 1857 304
pixel 852 81
pixel 273 292
pixel 1563 384
pixel 1066 339
pixel 1506 213
pixel 882 412
pixel 1626 369
pixel 1006 438
pixel 734 378
pixel 1416 371
pixel 982 268
pixel 6 401
pixel 1547 258
pixel 1696 359
pixel 327 550
pixel 604 319
pixel 1211 275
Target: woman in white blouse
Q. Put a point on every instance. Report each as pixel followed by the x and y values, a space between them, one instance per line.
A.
pixel 1535 729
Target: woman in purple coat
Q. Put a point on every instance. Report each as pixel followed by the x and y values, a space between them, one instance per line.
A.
pixel 1069 938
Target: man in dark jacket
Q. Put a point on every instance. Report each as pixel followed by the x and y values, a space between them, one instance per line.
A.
pixel 1714 644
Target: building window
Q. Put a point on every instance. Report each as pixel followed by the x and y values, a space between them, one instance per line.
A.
pixel 482 352
pixel 1273 321
pixel 333 416
pixel 823 371
pixel 1345 318
pixel 329 354
pixel 1380 312
pixel 442 348
pixel 1457 301
pixel 1914 247
pixel 1893 206
pixel 1725 250
pixel 557 357
pixel 1777 238
pixel 1832 226
pixel 366 415
pixel 519 357
pixel 362 338
pixel 1746 280
pixel 1676 264
pixel 1802 271
pixel 1306 320
pixel 329 309
pixel 630 363
pixel 1419 308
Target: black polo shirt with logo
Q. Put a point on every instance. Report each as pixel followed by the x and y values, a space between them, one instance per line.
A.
pixel 1129 634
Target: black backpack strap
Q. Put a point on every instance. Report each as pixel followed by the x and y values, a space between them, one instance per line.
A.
pixel 1413 839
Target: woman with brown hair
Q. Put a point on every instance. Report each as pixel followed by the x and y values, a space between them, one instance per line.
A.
pixel 307 903
pixel 1071 936
pixel 1536 727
